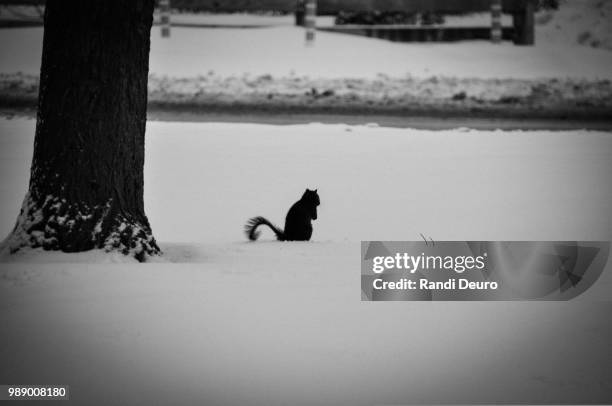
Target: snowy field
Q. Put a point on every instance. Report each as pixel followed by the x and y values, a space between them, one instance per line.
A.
pixel 220 321
pixel 280 51
pixel 270 68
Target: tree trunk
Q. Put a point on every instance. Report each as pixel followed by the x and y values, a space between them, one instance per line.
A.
pixel 86 182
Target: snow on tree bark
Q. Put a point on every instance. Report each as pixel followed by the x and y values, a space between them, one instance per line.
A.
pixel 86 182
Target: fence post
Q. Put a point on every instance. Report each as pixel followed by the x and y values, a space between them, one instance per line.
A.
pixel 300 11
pixel 524 24
pixel 164 8
pixel 528 34
pixel 496 24
pixel 310 20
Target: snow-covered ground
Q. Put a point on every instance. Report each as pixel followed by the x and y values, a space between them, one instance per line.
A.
pixel 270 68
pixel 203 180
pixel 220 321
pixel 280 51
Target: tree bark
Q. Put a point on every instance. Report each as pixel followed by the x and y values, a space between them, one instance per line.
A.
pixel 86 182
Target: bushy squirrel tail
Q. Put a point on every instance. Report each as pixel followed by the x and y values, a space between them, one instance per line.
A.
pixel 251 228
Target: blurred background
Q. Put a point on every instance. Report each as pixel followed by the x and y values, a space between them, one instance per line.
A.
pixel 487 58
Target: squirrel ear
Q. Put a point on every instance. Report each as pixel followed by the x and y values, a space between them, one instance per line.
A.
pixel 315 190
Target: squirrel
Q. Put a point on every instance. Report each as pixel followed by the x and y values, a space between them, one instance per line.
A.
pixel 298 225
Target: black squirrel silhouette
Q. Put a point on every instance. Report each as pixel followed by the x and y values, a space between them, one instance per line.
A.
pixel 298 225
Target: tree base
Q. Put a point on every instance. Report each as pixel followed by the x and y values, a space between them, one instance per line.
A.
pixel 59 226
